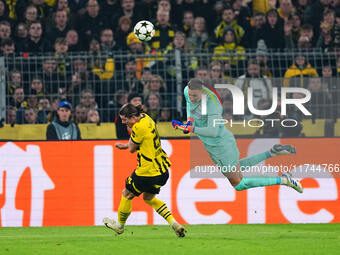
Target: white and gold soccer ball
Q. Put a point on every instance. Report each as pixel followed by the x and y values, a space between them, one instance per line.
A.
pixel 144 30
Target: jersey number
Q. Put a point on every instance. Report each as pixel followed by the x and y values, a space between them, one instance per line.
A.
pixel 156 140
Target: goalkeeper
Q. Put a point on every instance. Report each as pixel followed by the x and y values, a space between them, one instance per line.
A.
pixel 220 142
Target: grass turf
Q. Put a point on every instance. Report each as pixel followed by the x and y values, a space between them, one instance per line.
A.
pixel 200 239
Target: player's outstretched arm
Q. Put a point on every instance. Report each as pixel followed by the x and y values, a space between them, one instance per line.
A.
pixel 130 145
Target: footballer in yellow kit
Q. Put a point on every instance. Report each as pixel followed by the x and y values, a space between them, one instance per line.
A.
pixel 152 160
pixel 151 172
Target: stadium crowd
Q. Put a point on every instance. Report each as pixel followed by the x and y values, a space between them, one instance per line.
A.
pixel 84 51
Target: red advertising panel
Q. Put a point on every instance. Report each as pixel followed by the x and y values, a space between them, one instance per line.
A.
pixel 79 182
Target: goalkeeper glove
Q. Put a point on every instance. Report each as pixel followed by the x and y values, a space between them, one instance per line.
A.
pixel 186 128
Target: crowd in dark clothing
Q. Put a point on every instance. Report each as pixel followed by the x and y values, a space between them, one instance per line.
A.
pixel 85 51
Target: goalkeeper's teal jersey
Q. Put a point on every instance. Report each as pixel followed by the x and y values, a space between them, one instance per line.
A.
pixel 211 134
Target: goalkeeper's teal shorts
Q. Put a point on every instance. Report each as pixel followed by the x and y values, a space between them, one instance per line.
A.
pixel 226 156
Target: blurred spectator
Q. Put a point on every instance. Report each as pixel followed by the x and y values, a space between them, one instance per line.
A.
pixel 14 81
pixel 93 116
pixel 4 11
pixel 188 23
pixel 202 73
pixel 148 8
pixel 285 9
pixel 165 114
pixel 215 71
pixel 87 99
pixel 54 82
pixel 30 15
pixel 44 105
pixel 44 10
pixel 102 66
pixel 21 33
pixel 146 76
pixel 117 101
pixel 30 116
pixel 243 14
pixel 331 85
pixel 156 84
pixel 164 5
pixel 32 100
pixel 35 43
pixel 60 26
pixel 61 5
pixel 325 40
pixel 64 5
pixel 261 85
pixel 321 100
pixel 11 114
pixel 164 31
pixel 229 21
pixel 7 47
pixel 63 61
pixel 190 62
pixel 252 34
pixel 109 7
pixel 314 12
pixel 107 42
pixel 292 28
pixel 200 8
pixel 81 79
pixel 77 6
pixel 52 115
pixel 128 8
pixel 123 30
pixel 5 30
pixel 63 128
pixel 335 33
pixel 300 7
pixel 228 48
pixel 80 114
pixel 135 46
pixel 262 58
pixel 299 69
pixel 199 38
pixel 271 30
pixel 73 42
pixel 91 23
pixel 130 81
pixel 122 130
pixel 307 31
pixel 153 105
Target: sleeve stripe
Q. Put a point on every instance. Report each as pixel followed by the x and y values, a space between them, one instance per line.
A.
pixel 134 141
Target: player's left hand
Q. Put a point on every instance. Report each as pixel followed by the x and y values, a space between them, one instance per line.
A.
pixel 186 128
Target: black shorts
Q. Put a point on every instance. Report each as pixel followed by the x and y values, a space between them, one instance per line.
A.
pixel 139 184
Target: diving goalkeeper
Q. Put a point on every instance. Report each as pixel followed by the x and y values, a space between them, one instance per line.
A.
pixel 220 142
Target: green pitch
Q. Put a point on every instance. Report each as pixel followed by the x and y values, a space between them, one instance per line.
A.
pixel 200 239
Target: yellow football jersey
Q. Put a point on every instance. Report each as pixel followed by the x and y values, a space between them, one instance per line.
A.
pixel 152 160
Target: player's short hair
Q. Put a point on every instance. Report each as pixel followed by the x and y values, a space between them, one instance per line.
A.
pixel 195 84
pixel 128 110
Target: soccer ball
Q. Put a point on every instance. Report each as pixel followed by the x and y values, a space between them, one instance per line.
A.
pixel 144 30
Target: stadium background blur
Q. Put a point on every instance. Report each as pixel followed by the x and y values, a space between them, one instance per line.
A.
pixel 84 52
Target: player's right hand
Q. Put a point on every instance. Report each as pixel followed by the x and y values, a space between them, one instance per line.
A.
pixel 121 146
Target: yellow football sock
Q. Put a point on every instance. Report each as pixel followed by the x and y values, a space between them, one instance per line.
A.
pixel 124 210
pixel 161 209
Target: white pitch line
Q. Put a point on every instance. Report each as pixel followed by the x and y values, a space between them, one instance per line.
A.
pixel 53 236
